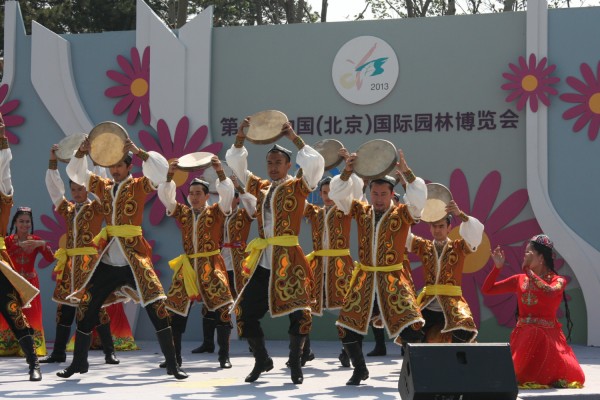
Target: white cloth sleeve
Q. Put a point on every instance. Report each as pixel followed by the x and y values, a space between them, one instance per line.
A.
pixel 78 172
pixel 155 168
pixel 312 164
pixel 167 195
pixel 342 192
pixel 237 159
pixel 5 180
pixel 55 186
pixel 100 171
pixel 472 232
pixel 416 197
pixel 226 192
pixel 249 203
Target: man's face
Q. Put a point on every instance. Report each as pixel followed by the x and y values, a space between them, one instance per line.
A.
pixel 196 197
pixel 120 171
pixel 277 165
pixel 235 202
pixel 440 230
pixel 78 193
pixel 325 196
pixel 381 196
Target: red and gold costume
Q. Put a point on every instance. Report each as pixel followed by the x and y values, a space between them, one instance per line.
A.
pixel 330 229
pixel 443 279
pixel 236 230
pixel 540 352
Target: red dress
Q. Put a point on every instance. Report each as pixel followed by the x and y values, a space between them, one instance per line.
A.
pixel 540 352
pixel 24 264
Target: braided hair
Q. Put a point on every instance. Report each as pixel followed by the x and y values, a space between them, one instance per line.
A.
pixel 546 252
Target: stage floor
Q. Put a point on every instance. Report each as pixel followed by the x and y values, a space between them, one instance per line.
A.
pixel 139 378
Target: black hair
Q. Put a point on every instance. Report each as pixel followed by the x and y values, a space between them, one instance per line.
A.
pixel 324 182
pixel 128 159
pixel 21 211
pixel 204 187
pixel 236 194
pixel 546 252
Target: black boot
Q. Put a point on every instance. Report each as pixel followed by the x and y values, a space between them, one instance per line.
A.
pixel 108 346
pixel 262 361
pixel 344 359
pixel 80 355
pixel 177 343
pixel 380 349
pixel 296 347
pixel 208 329
pixel 223 334
pixel 165 340
pixel 60 345
pixel 28 348
pixel 360 372
pixel 307 354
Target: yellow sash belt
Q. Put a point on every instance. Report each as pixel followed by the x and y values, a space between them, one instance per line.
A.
pixel 62 254
pixel 439 290
pixel 369 268
pixel 256 245
pixel 124 231
pixel 2 244
pixel 190 277
pixel 327 253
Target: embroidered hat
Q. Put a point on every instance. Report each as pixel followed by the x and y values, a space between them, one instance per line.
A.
pixel 198 181
pixel 544 240
pixel 384 179
pixel 280 149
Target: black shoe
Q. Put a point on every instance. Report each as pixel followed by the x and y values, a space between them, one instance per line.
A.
pixel 344 359
pixel 262 361
pixel 165 340
pixel 377 351
pixel 208 343
pixel 80 353
pixel 360 373
pixel 296 348
pixel 108 347
pixel 53 358
pixel 28 347
pixel 380 349
pixel 223 334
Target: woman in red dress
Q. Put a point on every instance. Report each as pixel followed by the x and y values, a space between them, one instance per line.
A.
pixel 23 247
pixel 540 353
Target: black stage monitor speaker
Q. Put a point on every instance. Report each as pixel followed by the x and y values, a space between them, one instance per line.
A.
pixel 474 371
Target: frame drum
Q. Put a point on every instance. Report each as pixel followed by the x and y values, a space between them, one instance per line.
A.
pixel 265 126
pixel 375 159
pixel 107 143
pixel 438 197
pixel 329 149
pixel 68 146
pixel 195 161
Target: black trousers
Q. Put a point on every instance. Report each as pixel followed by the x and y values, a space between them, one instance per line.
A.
pixel 254 304
pixel 105 280
pixel 435 319
pixel 65 315
pixel 10 307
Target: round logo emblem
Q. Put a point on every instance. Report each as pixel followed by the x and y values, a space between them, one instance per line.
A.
pixel 365 70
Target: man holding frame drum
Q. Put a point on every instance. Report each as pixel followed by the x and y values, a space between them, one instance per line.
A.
pixel 379 278
pixel 279 273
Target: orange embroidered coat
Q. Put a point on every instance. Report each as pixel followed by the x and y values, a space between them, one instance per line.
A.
pixel 237 227
pixel 446 269
pixel 289 284
pixel 329 230
pixel 200 234
pixel 379 246
pixel 82 227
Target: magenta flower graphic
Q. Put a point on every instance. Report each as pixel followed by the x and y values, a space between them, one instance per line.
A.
pixel 134 86
pixel 172 149
pixel 10 120
pixel 56 236
pixel 530 82
pixel 499 231
pixel 587 100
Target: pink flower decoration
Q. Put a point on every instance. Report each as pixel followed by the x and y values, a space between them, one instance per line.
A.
pixel 499 231
pixel 10 120
pixel 134 86
pixel 56 236
pixel 530 82
pixel 587 110
pixel 175 148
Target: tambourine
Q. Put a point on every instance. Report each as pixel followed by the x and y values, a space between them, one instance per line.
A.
pixel 107 143
pixel 68 146
pixel 210 176
pixel 375 159
pixel 438 197
pixel 265 126
pixel 329 149
pixel 195 161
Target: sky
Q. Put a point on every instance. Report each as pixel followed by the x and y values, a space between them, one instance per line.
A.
pixel 345 10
